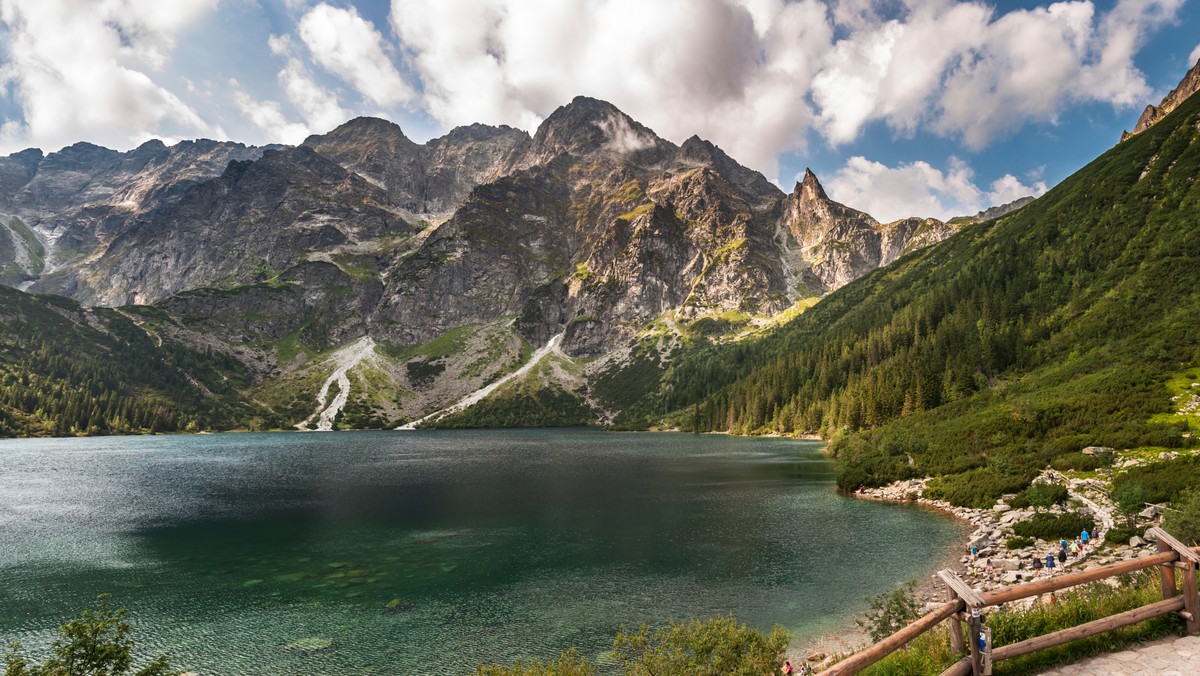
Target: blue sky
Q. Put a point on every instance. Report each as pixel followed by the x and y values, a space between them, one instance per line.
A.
pixel 901 107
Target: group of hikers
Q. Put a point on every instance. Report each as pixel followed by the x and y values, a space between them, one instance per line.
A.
pixel 1052 561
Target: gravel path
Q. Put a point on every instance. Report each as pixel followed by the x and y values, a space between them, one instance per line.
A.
pixel 1169 657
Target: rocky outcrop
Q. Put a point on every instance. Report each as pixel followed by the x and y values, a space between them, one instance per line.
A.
pixel 1189 85
pixel 828 244
pixel 593 227
pixel 423 179
pixel 256 220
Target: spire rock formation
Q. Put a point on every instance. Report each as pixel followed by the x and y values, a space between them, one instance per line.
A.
pixel 1188 86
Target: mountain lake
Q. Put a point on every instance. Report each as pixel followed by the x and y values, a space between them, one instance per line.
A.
pixel 434 552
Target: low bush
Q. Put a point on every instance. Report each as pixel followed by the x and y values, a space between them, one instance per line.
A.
pixel 1119 535
pixel 1040 495
pixel 1081 463
pixel 567 664
pixel 718 645
pixel 1183 518
pixel 1051 527
pixel 890 612
pixel 1164 481
pixel 978 488
pixel 1018 542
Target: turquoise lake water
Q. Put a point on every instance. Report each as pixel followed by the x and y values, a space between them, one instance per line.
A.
pixel 500 544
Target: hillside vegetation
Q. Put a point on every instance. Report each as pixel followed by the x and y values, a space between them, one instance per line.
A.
pixel 65 370
pixel 986 356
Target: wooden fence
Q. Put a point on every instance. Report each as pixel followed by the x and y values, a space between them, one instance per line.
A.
pixel 963 606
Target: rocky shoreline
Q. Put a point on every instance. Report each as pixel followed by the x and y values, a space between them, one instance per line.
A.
pixel 993 527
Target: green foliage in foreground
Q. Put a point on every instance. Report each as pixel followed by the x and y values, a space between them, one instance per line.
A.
pixel 712 647
pixel 567 664
pixel 96 644
pixel 890 612
pixel 1182 519
pixel 930 653
pixel 1010 344
pixel 717 646
pixel 1052 527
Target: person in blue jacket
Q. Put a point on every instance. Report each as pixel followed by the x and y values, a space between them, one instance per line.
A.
pixel 1084 536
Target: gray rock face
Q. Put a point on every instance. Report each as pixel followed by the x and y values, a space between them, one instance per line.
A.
pixel 257 219
pixel 830 244
pixel 595 225
pixel 422 179
pixel 1189 85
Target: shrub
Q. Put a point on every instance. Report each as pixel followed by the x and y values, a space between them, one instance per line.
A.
pixel 1055 526
pixel 1183 518
pixel 718 645
pixel 978 488
pixel 97 644
pixel 1018 542
pixel 1081 463
pixel 567 664
pixel 1130 497
pixel 891 612
pixel 1164 481
pixel 1040 495
pixel 1119 535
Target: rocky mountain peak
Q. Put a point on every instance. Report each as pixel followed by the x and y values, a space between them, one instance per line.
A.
pixel 1189 85
pixel 587 125
pixel 809 189
pixel 352 141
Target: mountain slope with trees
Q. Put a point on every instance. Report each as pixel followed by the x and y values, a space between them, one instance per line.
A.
pixel 986 356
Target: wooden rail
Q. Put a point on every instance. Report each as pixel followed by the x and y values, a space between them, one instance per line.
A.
pixel 964 603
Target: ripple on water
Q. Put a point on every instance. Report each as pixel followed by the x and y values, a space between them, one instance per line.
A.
pixel 229 549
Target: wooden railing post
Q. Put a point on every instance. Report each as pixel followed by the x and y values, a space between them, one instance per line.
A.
pixel 1189 560
pixel 973 636
pixel 1166 573
pixel 974 601
pixel 1191 599
pixel 955 626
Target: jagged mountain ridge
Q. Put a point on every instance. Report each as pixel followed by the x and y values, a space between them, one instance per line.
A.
pixel 593 227
pixel 1190 84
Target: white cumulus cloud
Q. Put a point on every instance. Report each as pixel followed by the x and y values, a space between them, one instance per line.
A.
pixel 1195 55
pixel 318 105
pixel 734 72
pixel 920 189
pixel 757 76
pixel 82 70
pixel 268 117
pixel 350 47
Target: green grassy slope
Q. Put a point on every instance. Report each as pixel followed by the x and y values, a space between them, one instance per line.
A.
pixel 988 354
pixel 65 370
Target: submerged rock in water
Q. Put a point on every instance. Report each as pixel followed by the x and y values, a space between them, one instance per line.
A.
pixel 398 606
pixel 310 645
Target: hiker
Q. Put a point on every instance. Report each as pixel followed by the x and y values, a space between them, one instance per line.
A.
pixel 787 668
pixel 1084 537
pixel 1037 567
pixel 990 569
pixel 1062 557
pixel 974 552
pixel 1074 551
pixel 1050 566
pixel 1062 543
